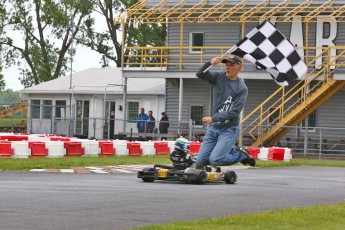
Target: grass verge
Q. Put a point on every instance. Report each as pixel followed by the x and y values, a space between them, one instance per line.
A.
pixel 68 162
pixel 325 217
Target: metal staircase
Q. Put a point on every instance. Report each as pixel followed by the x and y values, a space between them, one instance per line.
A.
pixel 274 118
pixel 10 110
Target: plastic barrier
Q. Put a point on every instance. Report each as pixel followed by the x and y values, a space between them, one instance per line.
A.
pixel 134 149
pixel 148 148
pixel 14 137
pixel 38 149
pixel 38 138
pixel 288 154
pixel 254 152
pixel 162 148
pixel 194 147
pixel 91 147
pixel 21 149
pixel 121 147
pixel 55 149
pixel 5 149
pixel 73 148
pixel 60 138
pixel 57 146
pixel 263 155
pixel 276 154
pixel 107 148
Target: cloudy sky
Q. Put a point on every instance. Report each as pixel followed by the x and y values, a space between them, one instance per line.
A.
pixel 83 59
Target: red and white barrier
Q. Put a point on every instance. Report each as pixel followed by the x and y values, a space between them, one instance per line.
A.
pixel 148 148
pixel 272 154
pixel 23 146
pixel 91 147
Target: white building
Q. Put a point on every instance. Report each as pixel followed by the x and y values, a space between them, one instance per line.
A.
pixel 92 94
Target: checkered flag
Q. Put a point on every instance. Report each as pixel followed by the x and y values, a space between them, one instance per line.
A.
pixel 266 47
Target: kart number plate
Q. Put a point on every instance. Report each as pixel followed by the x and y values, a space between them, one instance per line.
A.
pixel 163 173
pixel 210 177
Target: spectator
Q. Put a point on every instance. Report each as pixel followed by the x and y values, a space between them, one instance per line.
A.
pixel 112 125
pixel 141 121
pixel 164 123
pixel 151 123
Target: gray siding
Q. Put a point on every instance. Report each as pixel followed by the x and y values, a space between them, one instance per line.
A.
pixel 196 92
pixel 331 114
pixel 228 34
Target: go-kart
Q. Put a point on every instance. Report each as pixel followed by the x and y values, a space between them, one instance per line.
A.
pixel 186 173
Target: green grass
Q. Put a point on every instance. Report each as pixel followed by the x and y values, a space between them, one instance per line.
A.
pixel 301 162
pixel 17 121
pixel 68 162
pixel 322 217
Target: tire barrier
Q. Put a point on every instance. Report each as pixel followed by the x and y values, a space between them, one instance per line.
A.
pixel 41 145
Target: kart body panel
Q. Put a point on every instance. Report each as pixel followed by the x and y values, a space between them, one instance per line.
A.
pixel 185 174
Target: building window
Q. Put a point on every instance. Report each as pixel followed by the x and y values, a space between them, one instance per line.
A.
pixel 274 116
pixel 47 109
pixel 35 109
pixel 133 108
pixel 196 39
pixel 312 116
pixel 82 117
pixel 196 114
pixel 311 122
pixel 60 109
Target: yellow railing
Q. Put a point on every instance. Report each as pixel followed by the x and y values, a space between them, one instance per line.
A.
pixel 226 11
pixel 282 101
pixel 165 57
pixel 177 57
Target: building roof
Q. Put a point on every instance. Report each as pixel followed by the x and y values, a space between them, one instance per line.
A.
pixel 96 81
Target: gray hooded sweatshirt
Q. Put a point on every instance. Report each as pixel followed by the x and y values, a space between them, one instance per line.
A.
pixel 229 96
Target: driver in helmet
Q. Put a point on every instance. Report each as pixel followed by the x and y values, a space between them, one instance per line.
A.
pixel 180 155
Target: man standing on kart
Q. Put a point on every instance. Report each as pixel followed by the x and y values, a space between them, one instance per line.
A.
pixel 229 96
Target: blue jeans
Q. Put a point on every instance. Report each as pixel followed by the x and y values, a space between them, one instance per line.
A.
pixel 218 147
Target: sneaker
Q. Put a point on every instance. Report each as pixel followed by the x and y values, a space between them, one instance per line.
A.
pixel 203 167
pixel 217 169
pixel 249 160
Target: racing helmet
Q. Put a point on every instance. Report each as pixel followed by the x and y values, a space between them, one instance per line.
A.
pixel 181 151
pixel 182 145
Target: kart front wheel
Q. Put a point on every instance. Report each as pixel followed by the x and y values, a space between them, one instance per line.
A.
pixel 201 177
pixel 147 178
pixel 230 177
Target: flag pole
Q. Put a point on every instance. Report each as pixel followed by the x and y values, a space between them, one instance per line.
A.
pixel 221 57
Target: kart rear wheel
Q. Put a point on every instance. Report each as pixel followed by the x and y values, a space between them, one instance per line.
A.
pixel 148 179
pixel 230 177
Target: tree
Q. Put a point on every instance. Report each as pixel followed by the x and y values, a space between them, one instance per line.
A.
pixel 2 83
pixel 9 97
pixel 108 43
pixel 46 29
pixel 2 80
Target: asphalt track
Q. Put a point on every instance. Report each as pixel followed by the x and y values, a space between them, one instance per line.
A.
pixel 31 200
